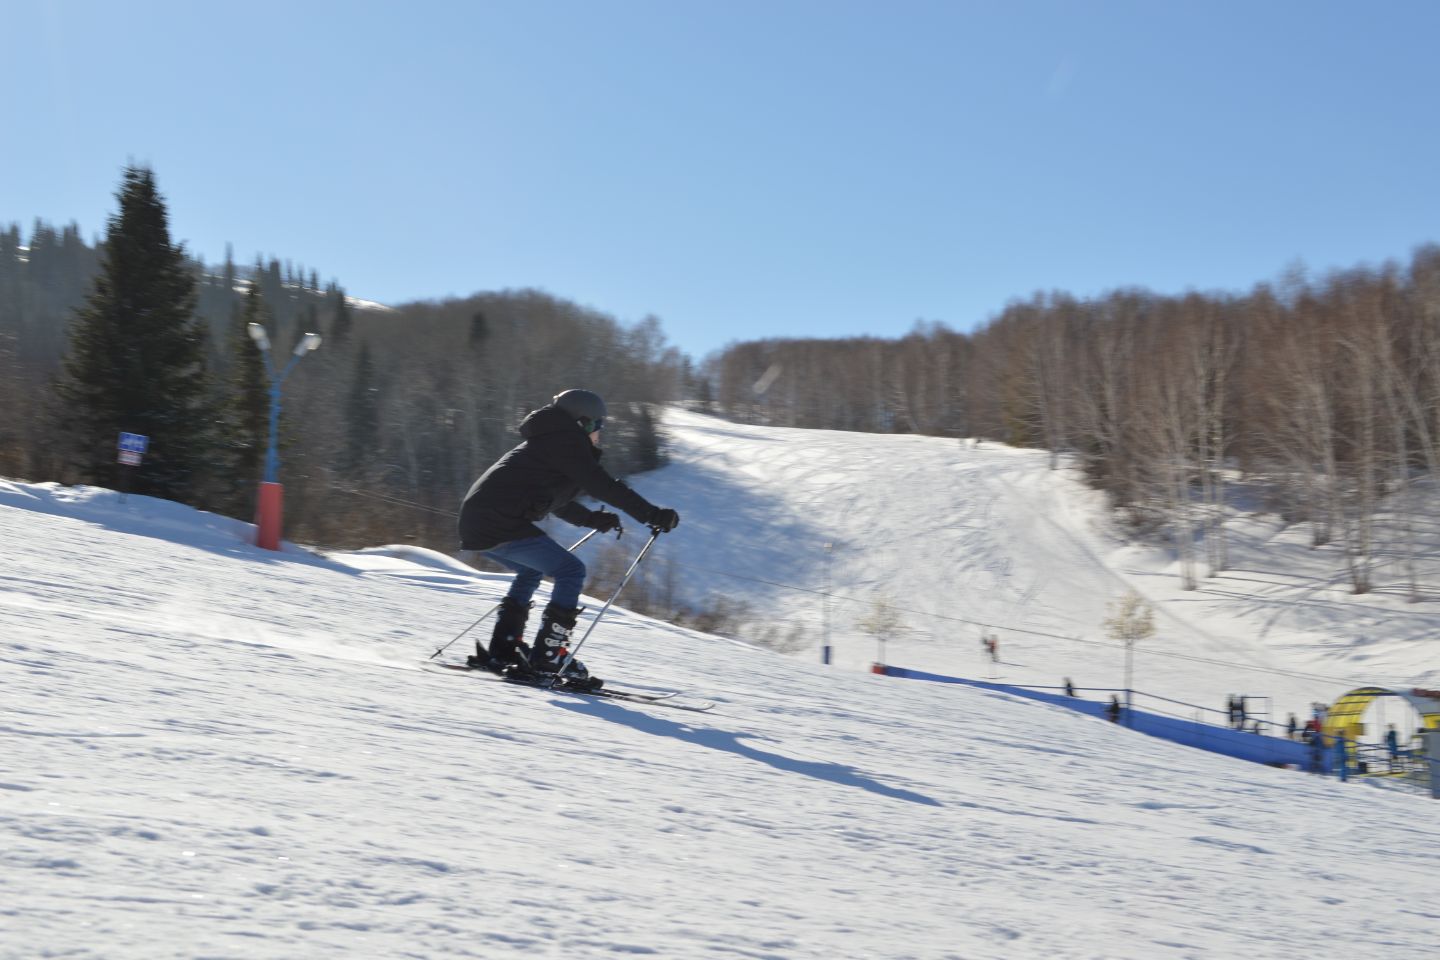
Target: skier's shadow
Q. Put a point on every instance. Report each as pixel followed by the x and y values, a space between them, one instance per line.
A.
pixel 731 743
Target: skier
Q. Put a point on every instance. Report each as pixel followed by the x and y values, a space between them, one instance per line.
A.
pixel 543 475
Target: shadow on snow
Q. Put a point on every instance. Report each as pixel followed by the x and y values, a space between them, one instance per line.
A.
pixel 728 742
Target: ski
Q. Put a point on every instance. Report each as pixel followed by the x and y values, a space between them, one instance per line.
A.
pixel 674 699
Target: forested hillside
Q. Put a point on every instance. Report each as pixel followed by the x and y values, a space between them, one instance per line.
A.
pixel 383 428
pixel 1323 392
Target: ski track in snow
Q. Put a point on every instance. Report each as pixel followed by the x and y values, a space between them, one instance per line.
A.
pixel 207 750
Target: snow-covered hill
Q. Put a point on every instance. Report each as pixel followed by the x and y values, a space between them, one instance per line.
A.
pixel 207 750
pixel 963 540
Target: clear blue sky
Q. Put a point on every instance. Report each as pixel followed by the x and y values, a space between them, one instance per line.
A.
pixel 742 169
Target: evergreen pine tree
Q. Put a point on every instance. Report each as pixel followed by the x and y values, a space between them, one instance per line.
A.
pixel 248 414
pixel 228 278
pixel 341 321
pixel 648 453
pixel 11 276
pixel 362 416
pixel 136 359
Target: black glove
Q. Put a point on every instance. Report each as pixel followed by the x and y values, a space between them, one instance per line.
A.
pixel 604 522
pixel 665 520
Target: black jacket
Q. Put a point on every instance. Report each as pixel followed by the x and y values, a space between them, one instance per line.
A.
pixel 543 475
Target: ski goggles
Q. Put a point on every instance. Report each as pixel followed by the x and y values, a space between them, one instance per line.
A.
pixel 590 426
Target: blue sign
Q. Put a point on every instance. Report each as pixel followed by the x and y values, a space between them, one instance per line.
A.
pixel 134 442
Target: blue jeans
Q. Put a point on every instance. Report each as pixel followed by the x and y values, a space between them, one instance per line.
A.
pixel 538 557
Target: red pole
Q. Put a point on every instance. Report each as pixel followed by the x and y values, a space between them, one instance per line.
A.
pixel 269 509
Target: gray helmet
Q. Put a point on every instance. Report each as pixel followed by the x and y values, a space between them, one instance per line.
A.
pixel 581 405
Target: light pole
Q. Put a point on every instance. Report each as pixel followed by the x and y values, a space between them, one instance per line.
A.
pixel 269 508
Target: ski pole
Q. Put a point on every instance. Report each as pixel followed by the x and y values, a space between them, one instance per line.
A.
pixel 570 657
pixel 487 613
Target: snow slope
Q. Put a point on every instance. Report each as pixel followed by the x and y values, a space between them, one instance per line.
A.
pixel 962 540
pixel 207 750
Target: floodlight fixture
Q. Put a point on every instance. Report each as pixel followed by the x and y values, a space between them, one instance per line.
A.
pixel 309 342
pixel 257 333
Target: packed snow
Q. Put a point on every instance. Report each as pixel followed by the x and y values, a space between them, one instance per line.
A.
pixel 210 750
pixel 964 540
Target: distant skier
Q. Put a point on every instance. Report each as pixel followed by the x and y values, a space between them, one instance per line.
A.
pixel 991 645
pixel 541 476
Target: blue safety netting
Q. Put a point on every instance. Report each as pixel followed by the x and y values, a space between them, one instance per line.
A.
pixel 1243 745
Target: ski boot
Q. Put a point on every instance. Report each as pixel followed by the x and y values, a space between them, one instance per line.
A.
pixel 551 650
pixel 506 647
